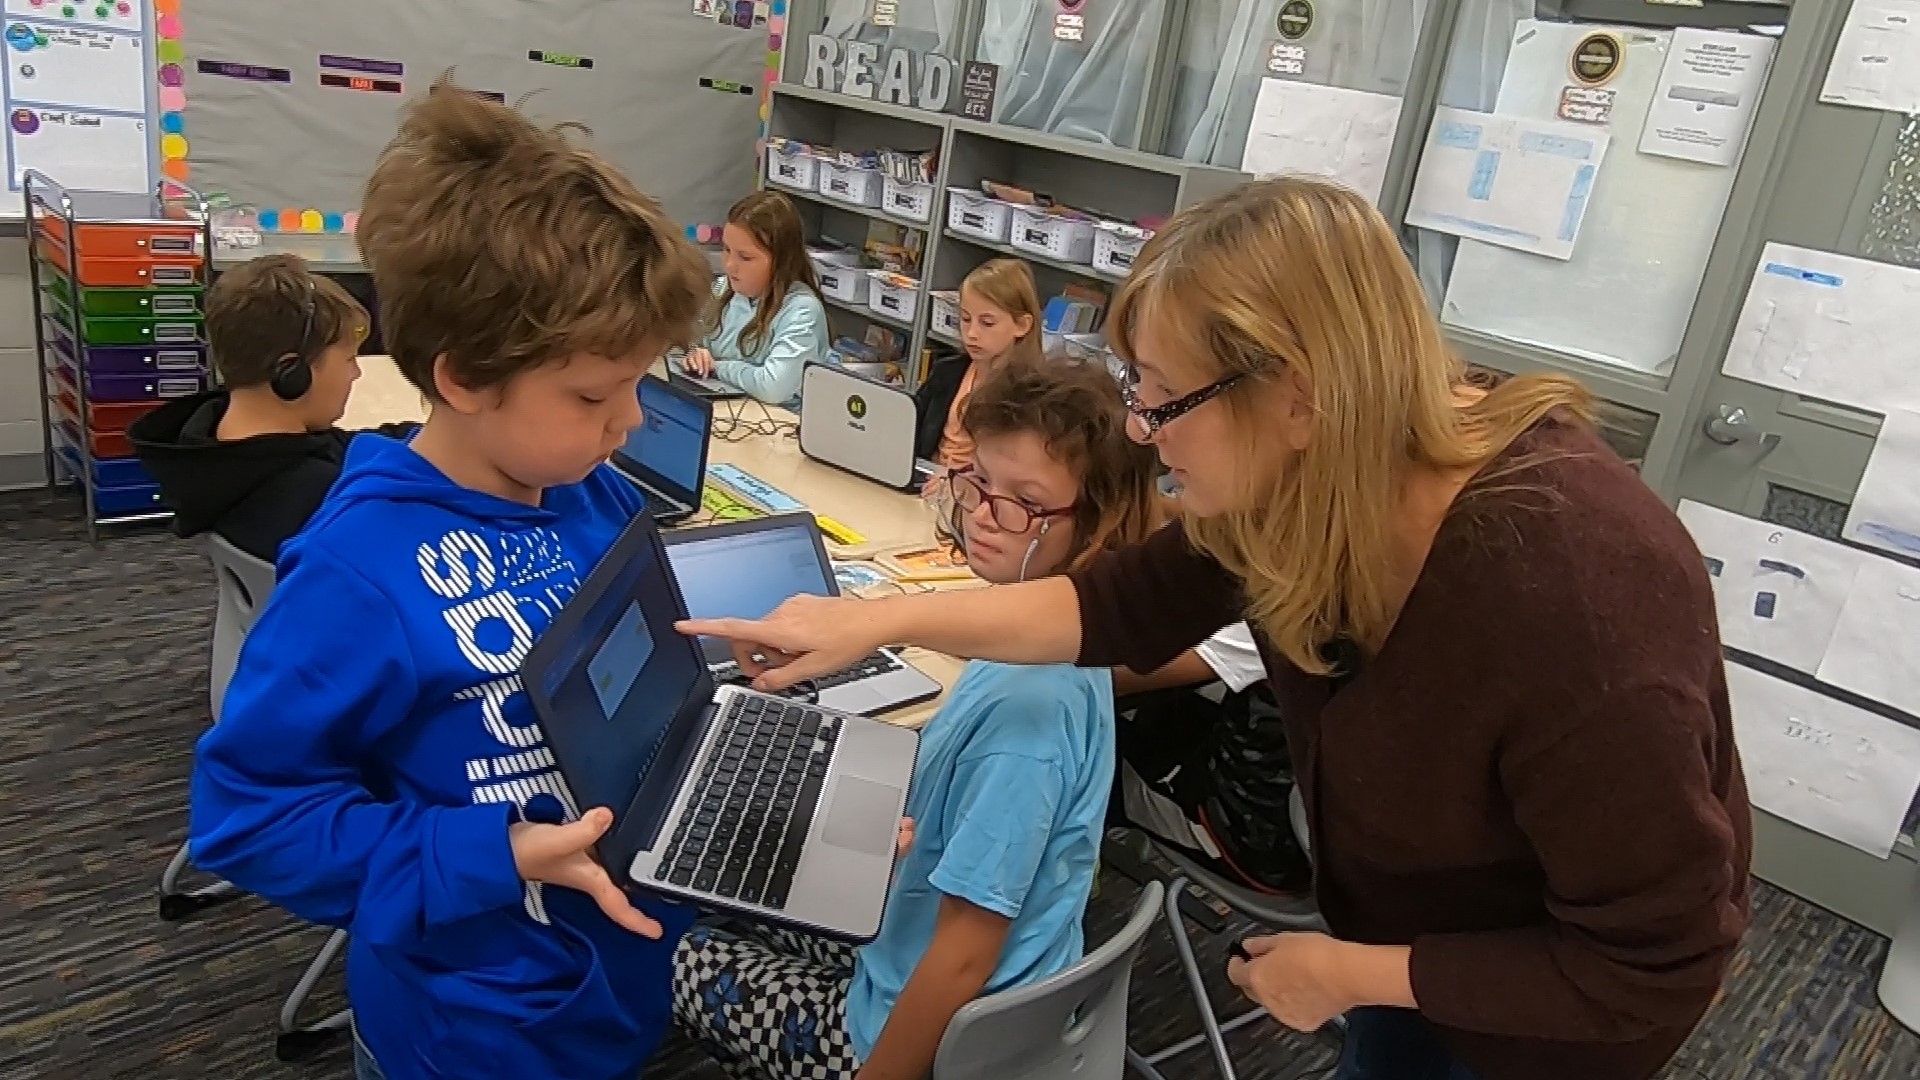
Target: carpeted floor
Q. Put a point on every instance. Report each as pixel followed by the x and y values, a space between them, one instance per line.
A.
pixel 103 690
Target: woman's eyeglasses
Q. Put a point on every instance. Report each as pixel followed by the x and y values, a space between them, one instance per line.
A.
pixel 1010 514
pixel 1152 418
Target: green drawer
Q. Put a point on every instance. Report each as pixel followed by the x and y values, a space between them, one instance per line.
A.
pixel 123 303
pixel 142 331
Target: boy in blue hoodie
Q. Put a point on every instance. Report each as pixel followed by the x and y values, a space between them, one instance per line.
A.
pixel 378 767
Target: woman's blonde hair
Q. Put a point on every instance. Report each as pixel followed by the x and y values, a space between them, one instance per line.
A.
pixel 770 218
pixel 1297 277
pixel 1008 285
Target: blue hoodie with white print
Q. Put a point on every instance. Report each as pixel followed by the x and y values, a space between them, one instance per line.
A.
pixel 374 747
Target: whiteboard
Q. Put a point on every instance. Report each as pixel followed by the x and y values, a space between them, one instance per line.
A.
pixel 80 94
pixel 290 110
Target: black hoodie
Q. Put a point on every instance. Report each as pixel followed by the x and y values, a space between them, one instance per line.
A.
pixel 254 492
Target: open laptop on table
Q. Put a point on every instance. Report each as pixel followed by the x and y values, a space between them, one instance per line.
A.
pixel 745 569
pixel 666 456
pixel 754 805
pixel 706 386
pixel 861 425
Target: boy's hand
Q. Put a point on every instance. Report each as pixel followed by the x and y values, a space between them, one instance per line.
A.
pixel 904 842
pixel 563 855
pixel 699 361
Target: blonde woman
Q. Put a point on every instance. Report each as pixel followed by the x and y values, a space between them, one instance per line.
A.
pixel 1493 646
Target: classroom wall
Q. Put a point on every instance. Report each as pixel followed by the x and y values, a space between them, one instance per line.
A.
pixel 21 461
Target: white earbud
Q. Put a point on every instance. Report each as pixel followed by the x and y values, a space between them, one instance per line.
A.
pixel 1045 524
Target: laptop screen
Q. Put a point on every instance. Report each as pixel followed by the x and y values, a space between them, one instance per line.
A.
pixel 620 676
pixel 746 573
pixel 672 440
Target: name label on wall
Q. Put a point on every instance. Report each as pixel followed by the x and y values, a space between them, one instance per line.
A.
pixel 854 68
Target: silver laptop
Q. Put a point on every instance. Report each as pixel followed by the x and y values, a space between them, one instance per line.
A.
pixel 861 425
pixel 666 456
pixel 745 569
pixel 740 802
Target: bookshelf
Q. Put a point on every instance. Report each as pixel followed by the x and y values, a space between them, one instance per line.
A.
pixel 1127 185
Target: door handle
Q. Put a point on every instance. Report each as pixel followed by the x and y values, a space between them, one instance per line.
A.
pixel 1729 425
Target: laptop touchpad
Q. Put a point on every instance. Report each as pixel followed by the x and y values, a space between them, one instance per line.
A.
pixel 863 816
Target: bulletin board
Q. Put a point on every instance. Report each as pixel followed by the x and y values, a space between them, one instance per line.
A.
pixel 285 107
pixel 79 93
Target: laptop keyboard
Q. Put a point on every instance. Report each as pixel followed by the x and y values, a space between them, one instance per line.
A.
pixel 742 835
pixel 874 664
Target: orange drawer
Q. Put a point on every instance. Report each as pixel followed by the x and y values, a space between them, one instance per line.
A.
pixel 126 241
pixel 100 444
pixel 123 273
pixel 109 418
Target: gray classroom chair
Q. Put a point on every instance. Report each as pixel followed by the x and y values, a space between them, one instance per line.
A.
pixel 1281 913
pixel 244 583
pixel 1072 1026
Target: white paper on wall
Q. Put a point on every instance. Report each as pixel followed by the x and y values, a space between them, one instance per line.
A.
pixel 1821 763
pixel 1886 506
pixel 1650 223
pixel 1875 649
pixel 1507 179
pixel 1832 327
pixel 1876 62
pixel 1779 592
pixel 1703 105
pixel 1301 127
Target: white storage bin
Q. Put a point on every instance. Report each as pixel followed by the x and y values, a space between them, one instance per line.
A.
pixel 902 199
pixel 847 284
pixel 792 169
pixel 857 187
pixel 970 213
pixel 1066 239
pixel 894 295
pixel 1116 245
pixel 946 314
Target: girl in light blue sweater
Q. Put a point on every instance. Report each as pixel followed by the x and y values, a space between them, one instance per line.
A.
pixel 767 322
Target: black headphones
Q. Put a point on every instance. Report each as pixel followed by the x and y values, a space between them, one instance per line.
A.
pixel 293 374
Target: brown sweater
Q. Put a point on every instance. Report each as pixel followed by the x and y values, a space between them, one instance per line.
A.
pixel 1533 783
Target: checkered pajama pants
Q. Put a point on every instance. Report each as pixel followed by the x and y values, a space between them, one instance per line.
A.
pixel 766 1004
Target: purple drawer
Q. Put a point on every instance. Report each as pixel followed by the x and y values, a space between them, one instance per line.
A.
pixel 173 384
pixel 156 387
pixel 130 360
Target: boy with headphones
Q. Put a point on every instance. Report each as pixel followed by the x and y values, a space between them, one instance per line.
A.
pixel 253 460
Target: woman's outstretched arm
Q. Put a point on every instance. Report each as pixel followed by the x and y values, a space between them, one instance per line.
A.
pixel 1140 607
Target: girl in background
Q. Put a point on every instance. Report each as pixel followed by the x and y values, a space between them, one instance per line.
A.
pixel 767 322
pixel 999 319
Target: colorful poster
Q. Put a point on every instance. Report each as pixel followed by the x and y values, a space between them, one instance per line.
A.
pixel 78 94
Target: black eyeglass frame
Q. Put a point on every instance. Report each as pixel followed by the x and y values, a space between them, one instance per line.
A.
pixel 1154 417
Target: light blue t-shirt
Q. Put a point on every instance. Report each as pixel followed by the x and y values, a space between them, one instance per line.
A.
pixel 797 336
pixel 1009 802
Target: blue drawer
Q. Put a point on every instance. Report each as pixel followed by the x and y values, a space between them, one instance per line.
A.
pixel 127 499
pixel 120 485
pixel 121 472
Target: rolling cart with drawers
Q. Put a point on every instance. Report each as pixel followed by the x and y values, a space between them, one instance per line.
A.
pixel 118 281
